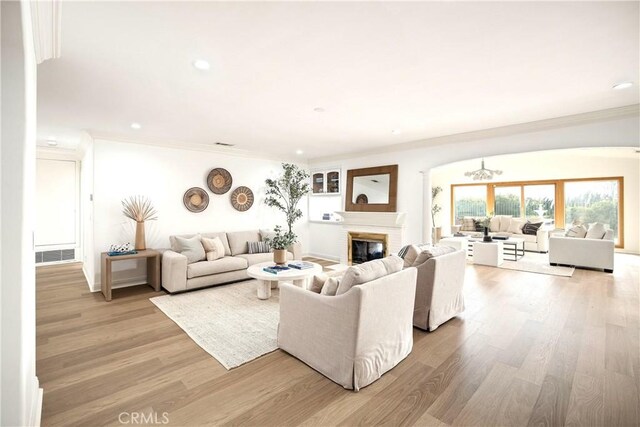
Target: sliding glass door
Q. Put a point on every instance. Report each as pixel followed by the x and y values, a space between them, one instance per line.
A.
pixel 587 202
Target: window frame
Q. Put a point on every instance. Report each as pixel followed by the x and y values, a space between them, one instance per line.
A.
pixel 559 198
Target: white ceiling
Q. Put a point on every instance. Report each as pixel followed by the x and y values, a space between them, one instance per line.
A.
pixel 429 69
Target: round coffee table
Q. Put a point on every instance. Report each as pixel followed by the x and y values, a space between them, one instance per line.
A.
pixel 268 281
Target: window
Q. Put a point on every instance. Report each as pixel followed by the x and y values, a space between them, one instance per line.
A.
pixel 593 201
pixel 540 202
pixel 469 200
pixel 507 201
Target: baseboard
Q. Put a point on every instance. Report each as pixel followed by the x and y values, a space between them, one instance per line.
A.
pixel 89 280
pixel 323 256
pixel 122 283
pixel 35 407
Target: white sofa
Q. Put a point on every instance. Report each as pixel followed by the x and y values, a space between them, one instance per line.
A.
pixel 178 275
pixel 352 338
pixel 583 252
pixel 533 243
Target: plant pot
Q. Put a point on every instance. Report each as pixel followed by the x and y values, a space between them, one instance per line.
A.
pixel 437 234
pixel 140 239
pixel 486 237
pixel 280 256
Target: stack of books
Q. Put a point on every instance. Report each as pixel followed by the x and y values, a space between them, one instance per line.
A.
pixel 300 265
pixel 275 269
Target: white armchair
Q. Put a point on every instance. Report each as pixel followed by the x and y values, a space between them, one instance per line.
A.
pixel 582 252
pixel 352 338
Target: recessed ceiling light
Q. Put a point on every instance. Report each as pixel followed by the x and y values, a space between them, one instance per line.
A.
pixel 201 64
pixel 396 131
pixel 319 110
pixel 299 152
pixel 136 126
pixel 52 141
pixel 623 85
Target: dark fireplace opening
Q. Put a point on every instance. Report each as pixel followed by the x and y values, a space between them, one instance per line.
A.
pixel 366 250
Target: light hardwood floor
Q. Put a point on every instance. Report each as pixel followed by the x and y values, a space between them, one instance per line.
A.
pixel 530 350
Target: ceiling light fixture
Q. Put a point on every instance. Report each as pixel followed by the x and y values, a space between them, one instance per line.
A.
pixel 623 85
pixel 396 131
pixel 483 173
pixel 201 64
pixel 136 126
pixel 319 110
pixel 299 152
pixel 52 141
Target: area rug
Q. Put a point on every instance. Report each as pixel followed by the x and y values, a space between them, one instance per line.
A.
pixel 538 263
pixel 229 322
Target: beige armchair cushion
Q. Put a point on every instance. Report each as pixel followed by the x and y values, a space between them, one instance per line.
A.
pixel 318 281
pixel 368 271
pixel 430 252
pixel 410 256
pixel 330 287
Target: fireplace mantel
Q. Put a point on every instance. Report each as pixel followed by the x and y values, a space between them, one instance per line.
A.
pixel 374 219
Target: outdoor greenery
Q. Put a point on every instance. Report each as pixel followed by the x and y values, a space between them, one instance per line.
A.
pixel 592 207
pixel 285 193
pixel 470 207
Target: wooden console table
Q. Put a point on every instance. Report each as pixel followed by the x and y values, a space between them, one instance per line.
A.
pixel 153 269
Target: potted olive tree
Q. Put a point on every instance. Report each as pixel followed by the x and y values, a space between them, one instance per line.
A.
pixel 435 208
pixel 284 194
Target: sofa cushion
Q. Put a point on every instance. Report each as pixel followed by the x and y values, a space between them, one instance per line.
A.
pixel 259 247
pixel 494 224
pixel 468 224
pixel 213 248
pixel 368 271
pixel 505 220
pixel 531 238
pixel 578 231
pixel 221 235
pixel 222 265
pixel 515 225
pixel 596 231
pixel 432 252
pixel 331 286
pixel 531 228
pixel 191 248
pixel 318 281
pixel 238 241
pixel 258 258
pixel 411 254
pixel 267 234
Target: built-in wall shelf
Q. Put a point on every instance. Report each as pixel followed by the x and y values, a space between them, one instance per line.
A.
pixel 326 182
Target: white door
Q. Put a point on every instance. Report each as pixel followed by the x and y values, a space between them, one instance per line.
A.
pixel 56 236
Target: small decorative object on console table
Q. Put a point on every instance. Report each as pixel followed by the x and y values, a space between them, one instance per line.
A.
pixel 139 209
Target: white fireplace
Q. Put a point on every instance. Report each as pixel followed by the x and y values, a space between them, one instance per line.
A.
pixel 385 227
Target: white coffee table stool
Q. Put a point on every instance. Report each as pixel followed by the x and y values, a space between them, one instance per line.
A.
pixel 268 281
pixel 488 253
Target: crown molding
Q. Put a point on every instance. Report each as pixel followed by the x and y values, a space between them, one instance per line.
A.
pixel 181 145
pixel 520 128
pixel 46 23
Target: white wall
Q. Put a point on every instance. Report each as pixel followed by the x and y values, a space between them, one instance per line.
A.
pixel 20 396
pixel 86 208
pixel 605 132
pixel 164 174
pixel 557 164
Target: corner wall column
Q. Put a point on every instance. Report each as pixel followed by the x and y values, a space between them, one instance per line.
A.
pixel 427 223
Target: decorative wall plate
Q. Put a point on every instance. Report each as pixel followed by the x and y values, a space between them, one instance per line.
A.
pixel 242 198
pixel 219 181
pixel 195 199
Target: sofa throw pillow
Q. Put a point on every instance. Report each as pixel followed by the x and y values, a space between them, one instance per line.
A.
pixel 577 231
pixel 433 251
pixel 331 286
pixel 191 248
pixel 531 228
pixel 410 255
pixel 478 224
pixel 213 247
pixel 494 224
pixel 318 281
pixel 468 224
pixel 515 226
pixel 259 247
pixel 505 221
pixel 368 271
pixel 596 231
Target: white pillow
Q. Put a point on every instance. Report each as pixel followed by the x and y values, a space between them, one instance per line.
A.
pixel 330 287
pixel 596 231
pixel 515 226
pixel 578 231
pixel 494 224
pixel 505 220
pixel 213 247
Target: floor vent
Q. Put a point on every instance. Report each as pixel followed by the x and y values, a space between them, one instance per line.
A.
pixel 58 255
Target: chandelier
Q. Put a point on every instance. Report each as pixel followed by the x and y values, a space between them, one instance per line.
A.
pixel 483 173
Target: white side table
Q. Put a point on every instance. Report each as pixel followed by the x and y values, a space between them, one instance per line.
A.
pixel 488 253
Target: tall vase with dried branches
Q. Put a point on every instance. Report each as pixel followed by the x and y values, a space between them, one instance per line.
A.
pixel 139 209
